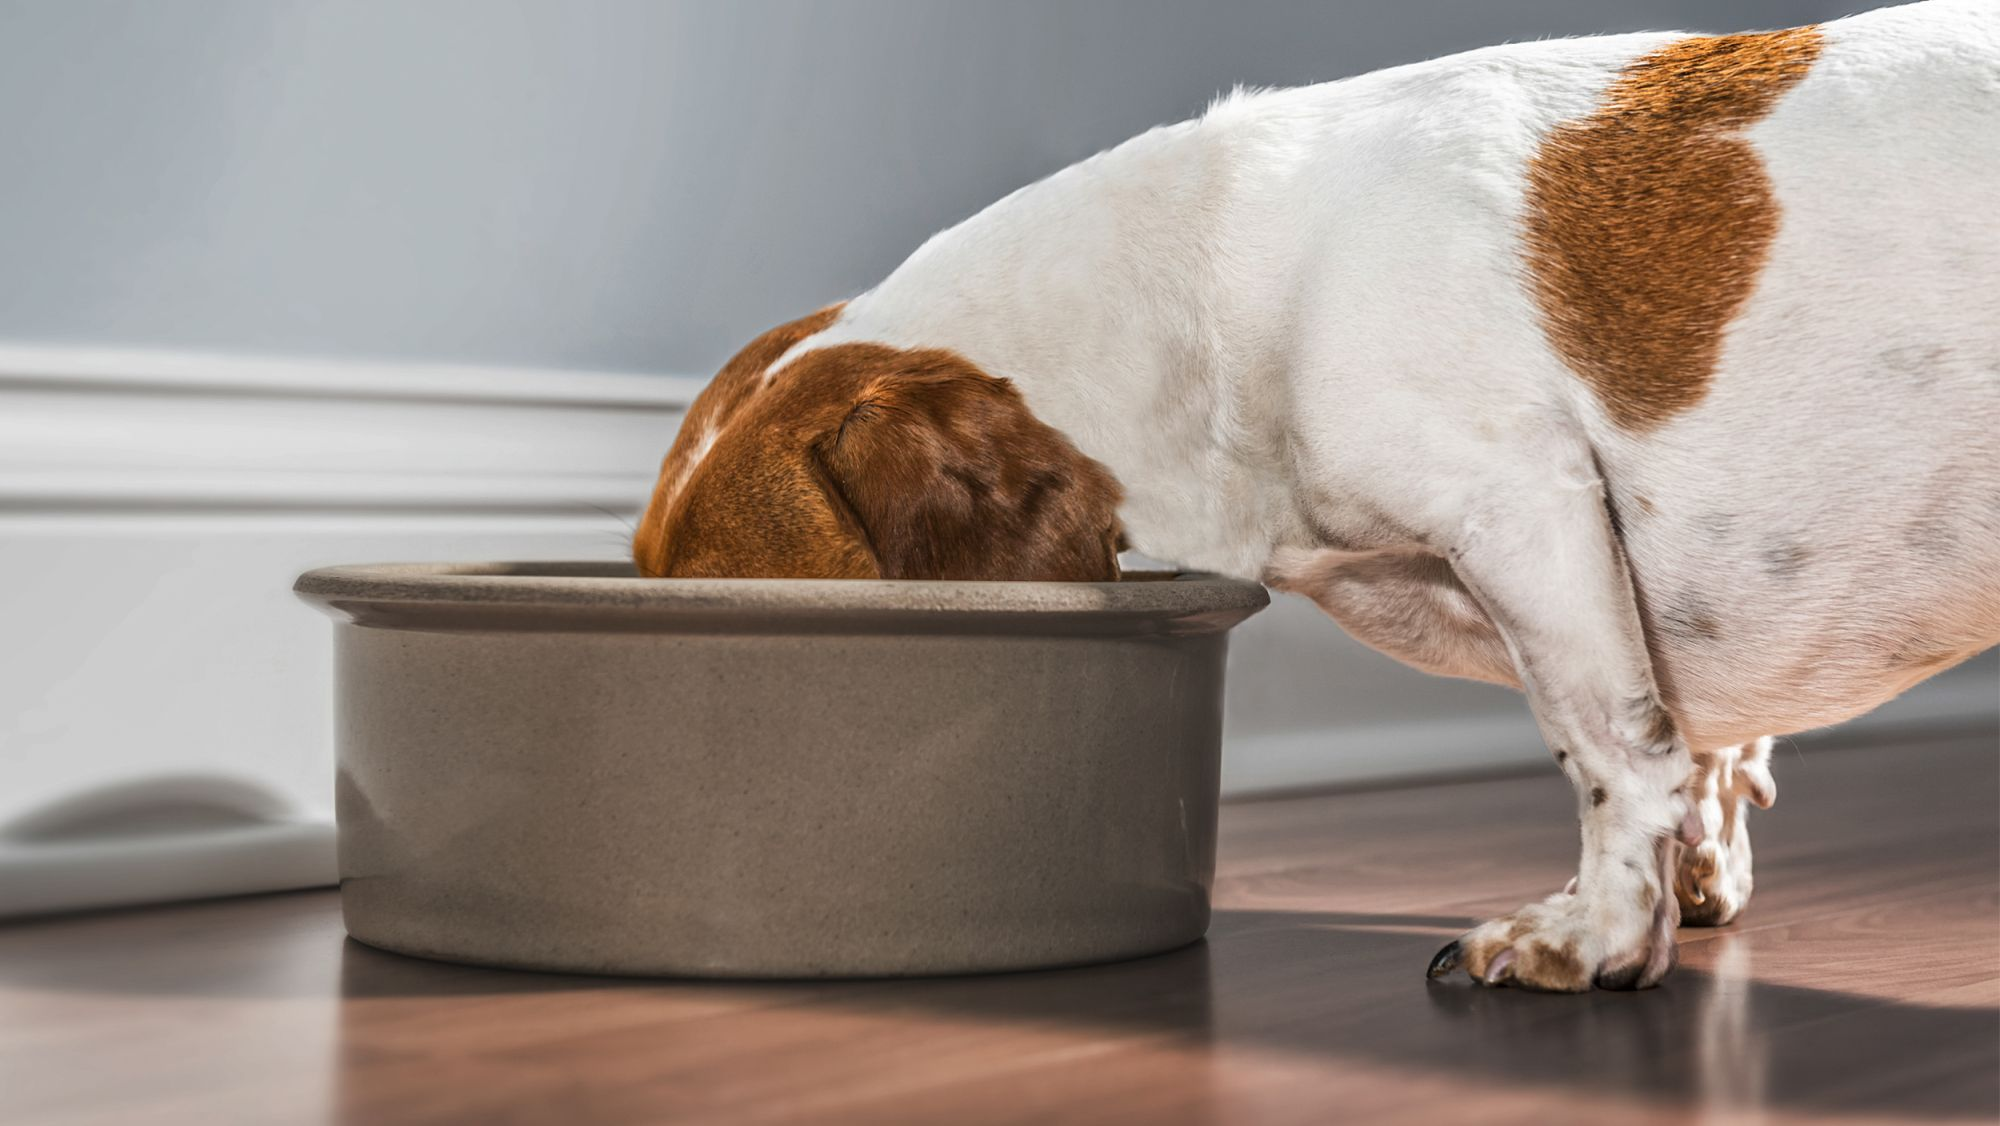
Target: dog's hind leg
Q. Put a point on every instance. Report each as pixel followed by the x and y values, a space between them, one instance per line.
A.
pixel 1714 881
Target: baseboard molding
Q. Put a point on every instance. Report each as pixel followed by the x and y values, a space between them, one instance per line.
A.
pixel 1965 700
pixel 154 509
pixel 98 430
pixel 69 490
pixel 71 368
pixel 1276 762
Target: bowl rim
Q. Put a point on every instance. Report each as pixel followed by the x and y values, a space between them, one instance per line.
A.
pixel 584 587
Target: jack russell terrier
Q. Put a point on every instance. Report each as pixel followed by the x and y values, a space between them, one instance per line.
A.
pixel 1657 376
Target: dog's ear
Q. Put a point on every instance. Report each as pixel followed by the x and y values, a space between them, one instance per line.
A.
pixel 948 475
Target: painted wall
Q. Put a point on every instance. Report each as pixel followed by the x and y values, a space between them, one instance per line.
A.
pixel 626 184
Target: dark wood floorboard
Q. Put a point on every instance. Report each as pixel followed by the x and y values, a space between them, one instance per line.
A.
pixel 1862 985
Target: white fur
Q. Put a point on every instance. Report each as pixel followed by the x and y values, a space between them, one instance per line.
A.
pixel 700 451
pixel 1296 331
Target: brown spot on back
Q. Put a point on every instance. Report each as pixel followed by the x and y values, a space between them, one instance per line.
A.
pixel 1648 222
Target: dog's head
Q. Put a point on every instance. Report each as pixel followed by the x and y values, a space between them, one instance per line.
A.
pixel 865 461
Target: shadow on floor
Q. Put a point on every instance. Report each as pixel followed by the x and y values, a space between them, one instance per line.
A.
pixel 1351 987
pixel 1346 986
pixel 1342 987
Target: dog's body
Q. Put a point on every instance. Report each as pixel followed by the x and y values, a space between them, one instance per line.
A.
pixel 1658 376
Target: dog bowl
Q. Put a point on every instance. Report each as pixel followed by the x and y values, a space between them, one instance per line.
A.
pixel 567 767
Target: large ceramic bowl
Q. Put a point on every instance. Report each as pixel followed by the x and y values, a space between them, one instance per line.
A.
pixel 567 767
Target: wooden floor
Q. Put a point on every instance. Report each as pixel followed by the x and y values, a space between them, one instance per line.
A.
pixel 1863 984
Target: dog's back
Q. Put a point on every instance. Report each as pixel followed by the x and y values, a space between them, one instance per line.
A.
pixel 1822 528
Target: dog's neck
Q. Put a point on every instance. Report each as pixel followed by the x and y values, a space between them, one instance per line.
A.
pixel 1099 292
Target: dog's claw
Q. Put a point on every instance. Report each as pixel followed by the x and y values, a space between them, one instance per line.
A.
pixel 1621 979
pixel 1642 974
pixel 1446 960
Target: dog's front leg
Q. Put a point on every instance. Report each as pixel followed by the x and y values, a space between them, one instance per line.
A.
pixel 1544 563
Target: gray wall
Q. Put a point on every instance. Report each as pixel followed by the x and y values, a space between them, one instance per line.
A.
pixel 600 184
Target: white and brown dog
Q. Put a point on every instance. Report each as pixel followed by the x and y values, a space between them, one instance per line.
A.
pixel 1655 375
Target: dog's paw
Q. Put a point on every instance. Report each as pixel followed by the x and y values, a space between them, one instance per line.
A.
pixel 1713 881
pixel 1713 884
pixel 1616 938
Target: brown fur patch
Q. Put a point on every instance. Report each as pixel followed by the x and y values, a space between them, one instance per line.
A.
pixel 717 404
pixel 865 461
pixel 1542 966
pixel 1648 222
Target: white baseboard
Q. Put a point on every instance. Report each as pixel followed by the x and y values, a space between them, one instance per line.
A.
pixel 165 703
pixel 1276 762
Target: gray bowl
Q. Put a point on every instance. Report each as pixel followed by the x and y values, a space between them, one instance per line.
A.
pixel 566 767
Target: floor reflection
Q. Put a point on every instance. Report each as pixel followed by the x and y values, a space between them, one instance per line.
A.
pixel 1731 1053
pixel 1712 1039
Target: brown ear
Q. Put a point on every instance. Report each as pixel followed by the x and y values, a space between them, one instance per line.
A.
pixel 949 476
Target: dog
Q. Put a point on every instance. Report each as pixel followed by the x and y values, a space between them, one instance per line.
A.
pixel 1656 376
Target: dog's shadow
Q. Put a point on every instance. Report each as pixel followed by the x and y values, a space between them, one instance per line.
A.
pixel 1709 1039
